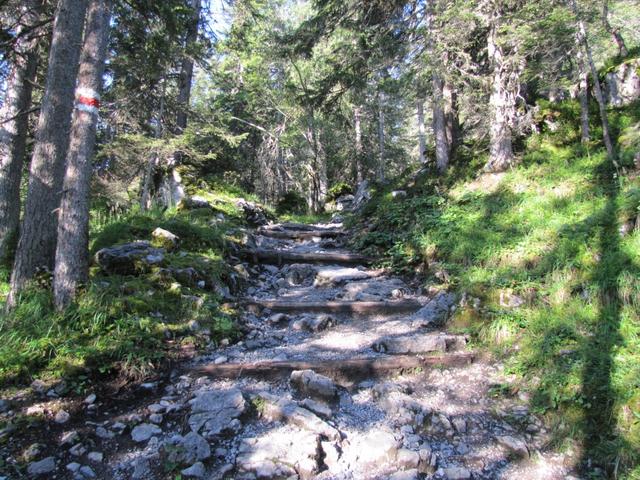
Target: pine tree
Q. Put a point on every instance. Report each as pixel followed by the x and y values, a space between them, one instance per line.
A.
pixel 14 118
pixel 37 243
pixel 72 265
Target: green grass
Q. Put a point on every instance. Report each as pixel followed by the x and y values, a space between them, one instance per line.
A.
pixel 547 231
pixel 125 325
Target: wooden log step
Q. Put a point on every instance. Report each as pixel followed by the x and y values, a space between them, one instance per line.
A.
pixel 300 234
pixel 390 306
pixel 347 369
pixel 278 257
pixel 296 226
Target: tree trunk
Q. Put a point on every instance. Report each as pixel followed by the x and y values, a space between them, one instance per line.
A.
pixel 148 187
pixel 439 125
pixel 37 243
pixel 186 69
pixel 583 96
pixel 616 36
pixel 422 145
pixel 381 139
pixel 597 89
pixel 72 265
pixel 14 119
pixel 452 119
pixel 171 184
pixel 358 167
pixel 319 178
pixel 502 102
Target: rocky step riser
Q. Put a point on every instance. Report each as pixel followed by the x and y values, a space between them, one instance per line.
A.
pixel 354 308
pixel 279 257
pixel 345 373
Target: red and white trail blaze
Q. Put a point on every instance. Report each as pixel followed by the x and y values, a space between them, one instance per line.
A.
pixel 88 100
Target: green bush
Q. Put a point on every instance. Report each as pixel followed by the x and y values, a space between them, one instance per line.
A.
pixel 291 202
pixel 338 190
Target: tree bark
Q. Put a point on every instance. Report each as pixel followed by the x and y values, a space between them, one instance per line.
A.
pixel 583 96
pixel 502 102
pixel 319 168
pixel 172 190
pixel 616 36
pixel 381 139
pixel 439 125
pixel 422 143
pixel 452 119
pixel 359 157
pixel 583 41
pixel 148 187
pixel 37 243
pixel 584 108
pixel 186 69
pixel 72 263
pixel 14 119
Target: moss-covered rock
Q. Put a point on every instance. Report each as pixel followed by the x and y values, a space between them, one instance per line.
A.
pixel 162 238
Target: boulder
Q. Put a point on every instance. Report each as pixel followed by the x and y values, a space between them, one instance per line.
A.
pixel 300 274
pixel 622 84
pixel 398 194
pixel 129 258
pixel 344 202
pixel 144 431
pixel 407 459
pixel 319 408
pixel 214 411
pixel 419 343
pixel 278 319
pixel 377 448
pixel 314 323
pixel 362 196
pixel 435 312
pixel 254 214
pixel 162 238
pixel 192 203
pixel 281 453
pixel 457 473
pixel 187 450
pixel 311 384
pixel 62 417
pixel 515 445
pixel 196 470
pixel 42 467
pixel 333 276
pixel 277 409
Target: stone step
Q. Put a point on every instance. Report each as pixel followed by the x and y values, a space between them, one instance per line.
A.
pixel 343 371
pixel 300 234
pixel 420 343
pixel 384 307
pixel 279 257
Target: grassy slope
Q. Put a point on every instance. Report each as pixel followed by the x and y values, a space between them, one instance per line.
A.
pixel 547 231
pixel 125 324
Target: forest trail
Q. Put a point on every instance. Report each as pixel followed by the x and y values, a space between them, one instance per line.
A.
pixel 353 375
pixel 345 372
